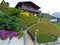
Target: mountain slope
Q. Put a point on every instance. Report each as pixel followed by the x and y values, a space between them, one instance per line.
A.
pixel 48 16
pixel 56 14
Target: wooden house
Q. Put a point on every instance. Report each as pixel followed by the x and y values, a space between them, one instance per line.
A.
pixel 29 6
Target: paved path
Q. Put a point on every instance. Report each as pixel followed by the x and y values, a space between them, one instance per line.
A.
pixel 28 40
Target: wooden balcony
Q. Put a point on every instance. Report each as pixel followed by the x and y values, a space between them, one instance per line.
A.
pixel 30 9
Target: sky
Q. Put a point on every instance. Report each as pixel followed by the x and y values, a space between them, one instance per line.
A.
pixel 47 6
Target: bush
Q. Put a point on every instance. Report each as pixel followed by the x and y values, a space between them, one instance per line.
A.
pixel 10 23
pixel 5 34
pixel 13 12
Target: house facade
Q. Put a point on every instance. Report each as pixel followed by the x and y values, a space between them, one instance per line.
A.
pixel 29 6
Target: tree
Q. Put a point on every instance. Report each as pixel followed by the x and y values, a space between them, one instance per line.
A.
pixel 10 23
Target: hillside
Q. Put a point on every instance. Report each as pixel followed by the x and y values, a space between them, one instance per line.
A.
pixel 48 16
pixel 45 33
pixel 44 27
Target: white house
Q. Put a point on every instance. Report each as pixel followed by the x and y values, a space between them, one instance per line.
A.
pixel 53 20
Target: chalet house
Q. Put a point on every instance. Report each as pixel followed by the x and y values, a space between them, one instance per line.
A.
pixel 29 6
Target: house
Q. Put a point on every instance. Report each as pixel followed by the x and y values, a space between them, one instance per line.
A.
pixel 53 21
pixel 29 6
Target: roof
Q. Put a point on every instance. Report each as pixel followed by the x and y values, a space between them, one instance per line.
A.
pixel 30 3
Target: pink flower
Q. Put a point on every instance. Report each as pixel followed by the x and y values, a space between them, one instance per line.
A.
pixel 3 34
pixel 12 34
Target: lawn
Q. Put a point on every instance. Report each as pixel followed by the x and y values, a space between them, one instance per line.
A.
pixel 44 28
pixel 57 26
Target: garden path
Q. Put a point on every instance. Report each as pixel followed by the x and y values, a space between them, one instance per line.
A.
pixel 28 40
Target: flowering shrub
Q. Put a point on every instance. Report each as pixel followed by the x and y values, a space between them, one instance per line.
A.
pixel 13 34
pixel 4 34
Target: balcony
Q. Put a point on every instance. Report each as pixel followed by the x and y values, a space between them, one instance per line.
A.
pixel 30 9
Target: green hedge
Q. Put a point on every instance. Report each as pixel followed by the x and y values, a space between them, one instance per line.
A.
pixel 10 23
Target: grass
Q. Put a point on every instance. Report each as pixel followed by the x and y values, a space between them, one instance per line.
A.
pixel 57 26
pixel 44 27
pixel 45 38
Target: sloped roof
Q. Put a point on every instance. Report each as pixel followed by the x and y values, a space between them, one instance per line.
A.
pixel 28 2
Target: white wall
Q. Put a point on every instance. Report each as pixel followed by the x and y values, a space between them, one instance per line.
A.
pixel 13 41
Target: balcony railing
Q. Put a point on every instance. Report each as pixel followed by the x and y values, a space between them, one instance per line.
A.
pixel 30 9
